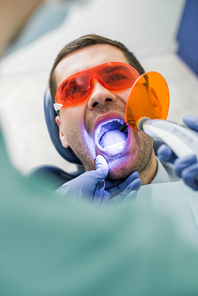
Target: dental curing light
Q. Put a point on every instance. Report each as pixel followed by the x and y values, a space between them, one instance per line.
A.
pixel 147 108
pixel 181 139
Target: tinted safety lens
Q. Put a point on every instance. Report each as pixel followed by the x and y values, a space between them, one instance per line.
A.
pixel 77 87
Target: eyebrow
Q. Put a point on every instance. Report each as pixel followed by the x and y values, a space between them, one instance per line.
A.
pixel 110 69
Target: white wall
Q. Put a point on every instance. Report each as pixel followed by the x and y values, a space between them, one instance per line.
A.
pixel 143 25
pixel 147 27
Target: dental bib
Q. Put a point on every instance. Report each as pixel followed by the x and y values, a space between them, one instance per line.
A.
pixel 178 200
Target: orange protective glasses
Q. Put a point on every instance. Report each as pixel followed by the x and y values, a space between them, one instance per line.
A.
pixel 149 98
pixel 76 88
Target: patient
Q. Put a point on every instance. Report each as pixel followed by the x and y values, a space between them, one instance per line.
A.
pixel 91 109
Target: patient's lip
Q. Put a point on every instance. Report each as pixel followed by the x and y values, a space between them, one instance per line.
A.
pixel 107 116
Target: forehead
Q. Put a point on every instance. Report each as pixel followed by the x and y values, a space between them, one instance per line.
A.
pixel 86 58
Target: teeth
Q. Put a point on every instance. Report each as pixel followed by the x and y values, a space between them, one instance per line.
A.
pixel 112 138
pixel 107 133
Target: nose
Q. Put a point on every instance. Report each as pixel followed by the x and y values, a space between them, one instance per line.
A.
pixel 99 95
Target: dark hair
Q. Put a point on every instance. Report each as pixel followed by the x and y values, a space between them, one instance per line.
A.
pixel 85 41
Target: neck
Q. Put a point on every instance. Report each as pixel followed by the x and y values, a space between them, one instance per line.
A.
pixel 150 171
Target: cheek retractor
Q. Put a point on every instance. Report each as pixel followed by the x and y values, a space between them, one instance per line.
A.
pixel 109 139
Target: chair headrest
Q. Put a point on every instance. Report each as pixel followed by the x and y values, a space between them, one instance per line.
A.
pixel 53 130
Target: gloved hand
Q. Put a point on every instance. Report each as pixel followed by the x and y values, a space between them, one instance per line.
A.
pixel 185 167
pixel 166 154
pixel 95 188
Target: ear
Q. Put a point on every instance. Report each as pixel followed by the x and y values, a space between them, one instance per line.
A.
pixel 61 134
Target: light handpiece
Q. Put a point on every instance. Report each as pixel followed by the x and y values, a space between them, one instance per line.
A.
pixel 182 140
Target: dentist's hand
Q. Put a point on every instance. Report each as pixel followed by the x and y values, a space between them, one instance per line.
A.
pixel 93 186
pixel 185 167
pixel 166 154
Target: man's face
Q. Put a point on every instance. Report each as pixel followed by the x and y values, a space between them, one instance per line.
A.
pixel 92 127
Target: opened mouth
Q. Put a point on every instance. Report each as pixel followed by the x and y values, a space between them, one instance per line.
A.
pixel 108 136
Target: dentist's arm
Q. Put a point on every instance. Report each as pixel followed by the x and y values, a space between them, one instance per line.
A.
pixel 185 167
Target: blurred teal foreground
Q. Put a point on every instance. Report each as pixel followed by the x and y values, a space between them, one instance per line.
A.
pixel 54 246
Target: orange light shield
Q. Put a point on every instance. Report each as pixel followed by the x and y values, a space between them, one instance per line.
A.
pixel 149 97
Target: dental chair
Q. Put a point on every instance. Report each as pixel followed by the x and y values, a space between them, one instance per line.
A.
pixel 50 172
pixel 53 173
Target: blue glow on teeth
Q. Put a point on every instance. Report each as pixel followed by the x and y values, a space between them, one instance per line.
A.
pixel 108 137
pixel 111 137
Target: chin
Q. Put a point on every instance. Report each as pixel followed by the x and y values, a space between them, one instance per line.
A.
pixel 119 168
pixel 117 175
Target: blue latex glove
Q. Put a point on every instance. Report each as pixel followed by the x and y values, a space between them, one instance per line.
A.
pixel 191 121
pixel 93 186
pixel 166 154
pixel 185 167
